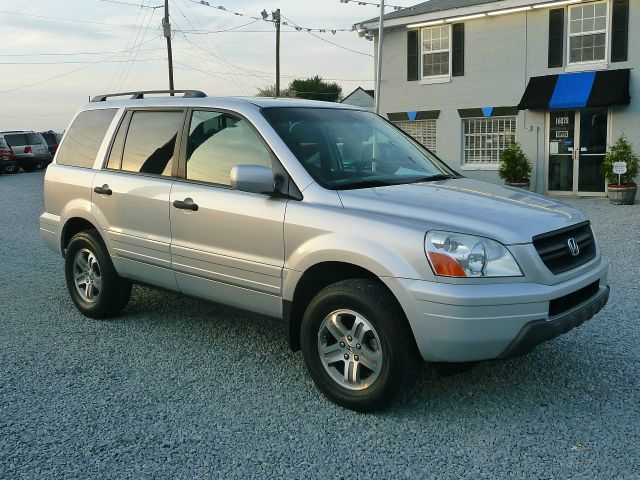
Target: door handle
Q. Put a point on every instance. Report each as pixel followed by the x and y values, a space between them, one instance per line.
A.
pixel 103 190
pixel 186 204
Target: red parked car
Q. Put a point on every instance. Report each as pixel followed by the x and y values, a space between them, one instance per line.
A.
pixel 8 163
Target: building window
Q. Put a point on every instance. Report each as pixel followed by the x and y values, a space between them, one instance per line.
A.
pixel 424 131
pixel 436 47
pixel 485 139
pixel 588 33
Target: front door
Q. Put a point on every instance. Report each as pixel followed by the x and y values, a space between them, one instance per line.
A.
pixel 226 245
pixel 576 149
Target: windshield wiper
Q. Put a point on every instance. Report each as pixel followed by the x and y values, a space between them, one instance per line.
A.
pixel 365 184
pixel 431 178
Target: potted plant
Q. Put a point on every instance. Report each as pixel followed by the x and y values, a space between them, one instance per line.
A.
pixel 515 167
pixel 621 188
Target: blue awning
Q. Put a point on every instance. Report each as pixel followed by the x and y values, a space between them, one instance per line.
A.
pixel 577 90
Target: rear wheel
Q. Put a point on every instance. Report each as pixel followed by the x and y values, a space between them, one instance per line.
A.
pixel 357 345
pixel 32 167
pixel 95 287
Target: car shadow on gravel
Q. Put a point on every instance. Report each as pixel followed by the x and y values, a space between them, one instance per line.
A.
pixel 555 374
pixel 553 377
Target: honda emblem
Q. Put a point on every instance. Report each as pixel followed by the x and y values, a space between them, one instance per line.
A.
pixel 573 247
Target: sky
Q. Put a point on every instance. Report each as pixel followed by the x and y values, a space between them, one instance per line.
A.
pixel 57 53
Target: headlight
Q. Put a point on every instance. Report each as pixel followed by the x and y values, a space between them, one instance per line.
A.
pixel 458 255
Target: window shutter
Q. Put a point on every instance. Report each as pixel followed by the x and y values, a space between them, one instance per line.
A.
pixel 556 37
pixel 413 55
pixel 620 31
pixel 457 50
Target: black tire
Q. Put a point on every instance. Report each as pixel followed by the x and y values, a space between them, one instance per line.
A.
pixel 31 167
pixel 114 292
pixel 400 360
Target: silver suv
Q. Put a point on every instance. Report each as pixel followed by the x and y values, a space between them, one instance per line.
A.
pixel 29 147
pixel 372 251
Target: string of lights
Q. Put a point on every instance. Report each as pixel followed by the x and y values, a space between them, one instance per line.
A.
pixel 329 41
pixel 361 3
pixel 264 16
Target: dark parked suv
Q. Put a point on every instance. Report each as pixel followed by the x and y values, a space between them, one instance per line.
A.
pixel 53 140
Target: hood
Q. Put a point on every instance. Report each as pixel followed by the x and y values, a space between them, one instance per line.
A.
pixel 463 205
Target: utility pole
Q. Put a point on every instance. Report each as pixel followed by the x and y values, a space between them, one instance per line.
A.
pixel 276 18
pixel 379 67
pixel 166 28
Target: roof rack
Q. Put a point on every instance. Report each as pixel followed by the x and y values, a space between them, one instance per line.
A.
pixel 139 95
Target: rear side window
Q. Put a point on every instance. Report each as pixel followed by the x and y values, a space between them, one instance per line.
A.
pixel 83 140
pixel 151 141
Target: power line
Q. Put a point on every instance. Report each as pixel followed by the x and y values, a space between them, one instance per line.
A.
pixel 130 4
pixel 137 47
pixel 118 73
pixel 61 19
pixel 210 41
pixel 68 54
pixel 39 82
pixel 74 63
pixel 264 73
pixel 190 67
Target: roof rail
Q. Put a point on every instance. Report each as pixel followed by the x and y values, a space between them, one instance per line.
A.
pixel 139 95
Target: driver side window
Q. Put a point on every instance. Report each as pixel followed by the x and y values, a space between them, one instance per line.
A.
pixel 218 142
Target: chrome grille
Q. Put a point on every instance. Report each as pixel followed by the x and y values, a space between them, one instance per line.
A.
pixel 555 250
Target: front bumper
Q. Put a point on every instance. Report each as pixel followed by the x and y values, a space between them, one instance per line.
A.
pixel 539 331
pixel 471 322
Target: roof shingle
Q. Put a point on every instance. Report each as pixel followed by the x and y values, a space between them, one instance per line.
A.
pixel 432 6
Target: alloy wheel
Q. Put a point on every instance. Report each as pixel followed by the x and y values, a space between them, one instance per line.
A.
pixel 350 349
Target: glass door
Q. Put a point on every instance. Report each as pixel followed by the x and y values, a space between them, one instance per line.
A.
pixel 576 149
pixel 593 146
pixel 561 145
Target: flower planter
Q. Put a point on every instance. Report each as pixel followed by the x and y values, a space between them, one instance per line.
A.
pixel 622 194
pixel 521 185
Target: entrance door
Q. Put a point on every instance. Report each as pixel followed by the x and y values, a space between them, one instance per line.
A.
pixel 577 145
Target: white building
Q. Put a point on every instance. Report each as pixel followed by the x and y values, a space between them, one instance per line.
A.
pixel 467 76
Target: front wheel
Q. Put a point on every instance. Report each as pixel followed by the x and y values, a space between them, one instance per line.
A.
pixel 358 346
pixel 93 283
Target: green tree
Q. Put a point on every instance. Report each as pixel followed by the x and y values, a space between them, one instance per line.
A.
pixel 270 91
pixel 314 88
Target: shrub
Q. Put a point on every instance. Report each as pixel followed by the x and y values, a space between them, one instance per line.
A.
pixel 515 166
pixel 622 151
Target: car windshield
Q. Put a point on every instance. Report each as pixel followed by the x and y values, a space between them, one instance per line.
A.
pixel 346 149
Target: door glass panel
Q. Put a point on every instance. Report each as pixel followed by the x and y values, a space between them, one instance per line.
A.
pixel 151 141
pixel 561 144
pixel 593 146
pixel 217 143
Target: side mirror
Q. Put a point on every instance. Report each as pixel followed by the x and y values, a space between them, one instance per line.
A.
pixel 252 179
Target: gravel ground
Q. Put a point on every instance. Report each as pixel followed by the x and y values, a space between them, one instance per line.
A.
pixel 178 388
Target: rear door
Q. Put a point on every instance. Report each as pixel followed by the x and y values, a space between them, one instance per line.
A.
pixel 231 249
pixel 131 194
